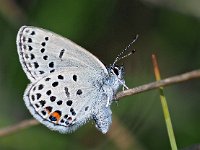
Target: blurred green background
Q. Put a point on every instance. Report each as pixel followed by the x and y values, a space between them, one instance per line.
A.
pixel 170 29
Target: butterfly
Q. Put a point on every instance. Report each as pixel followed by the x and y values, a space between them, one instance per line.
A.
pixel 69 85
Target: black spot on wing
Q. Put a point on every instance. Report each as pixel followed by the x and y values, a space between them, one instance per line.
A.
pixel 60 77
pixel 52 98
pixel 42 50
pixel 46 38
pixel 86 108
pixel 42 102
pixel 30 48
pixel 29 40
pixel 79 92
pixel 74 77
pixel 43 112
pixel 33 33
pixel 51 64
pixel 52 70
pixel 69 103
pixel 54 84
pixel 67 91
pixel 47 79
pixel 40 87
pixel 72 111
pixel 32 56
pixel 59 102
pixel 36 105
pixel 43 43
pixel 41 72
pixel 61 53
pixel 36 65
pixel 45 57
pixel 33 97
pixel 38 95
pixel 49 108
pixel 48 92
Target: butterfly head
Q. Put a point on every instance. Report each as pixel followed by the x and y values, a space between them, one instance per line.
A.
pixel 117 71
pixel 116 76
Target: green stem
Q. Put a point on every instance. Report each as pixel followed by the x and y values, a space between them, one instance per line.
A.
pixel 168 120
pixel 164 106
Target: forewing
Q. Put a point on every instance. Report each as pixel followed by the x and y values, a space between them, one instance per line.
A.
pixel 43 52
pixel 63 100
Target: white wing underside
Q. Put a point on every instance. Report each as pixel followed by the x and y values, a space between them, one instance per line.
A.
pixel 44 46
pixel 82 104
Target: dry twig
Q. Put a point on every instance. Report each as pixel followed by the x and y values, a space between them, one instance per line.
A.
pixel 14 128
pixel 168 81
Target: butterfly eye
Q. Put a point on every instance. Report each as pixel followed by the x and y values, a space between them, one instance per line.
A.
pixel 116 70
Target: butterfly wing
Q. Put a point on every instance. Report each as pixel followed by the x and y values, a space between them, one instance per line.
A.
pixel 64 100
pixel 42 52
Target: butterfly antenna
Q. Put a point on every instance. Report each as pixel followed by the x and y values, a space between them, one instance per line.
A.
pixel 119 56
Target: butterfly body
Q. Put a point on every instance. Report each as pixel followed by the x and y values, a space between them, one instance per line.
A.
pixel 69 85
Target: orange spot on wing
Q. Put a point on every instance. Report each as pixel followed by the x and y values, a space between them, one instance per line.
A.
pixel 56 115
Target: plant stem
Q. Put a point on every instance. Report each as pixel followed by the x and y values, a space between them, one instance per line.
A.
pixel 164 106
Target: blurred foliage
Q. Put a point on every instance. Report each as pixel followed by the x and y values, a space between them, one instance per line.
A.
pixel 105 28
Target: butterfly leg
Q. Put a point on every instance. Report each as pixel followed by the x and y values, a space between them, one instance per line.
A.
pixel 108 102
pixel 103 119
